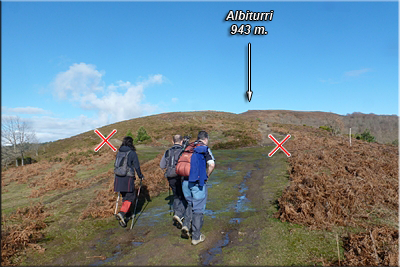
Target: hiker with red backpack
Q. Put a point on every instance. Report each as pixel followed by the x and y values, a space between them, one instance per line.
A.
pixel 196 164
pixel 168 162
pixel 126 164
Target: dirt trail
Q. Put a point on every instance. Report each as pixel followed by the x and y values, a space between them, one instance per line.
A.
pixel 237 195
pixel 265 130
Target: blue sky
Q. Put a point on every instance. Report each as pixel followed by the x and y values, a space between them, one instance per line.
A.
pixel 69 67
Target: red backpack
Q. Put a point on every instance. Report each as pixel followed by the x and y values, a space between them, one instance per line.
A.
pixel 183 165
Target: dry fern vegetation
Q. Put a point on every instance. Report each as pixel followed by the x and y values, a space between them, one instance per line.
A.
pixel 333 184
pixel 333 187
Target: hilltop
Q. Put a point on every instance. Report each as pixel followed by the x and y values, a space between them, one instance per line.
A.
pixel 229 130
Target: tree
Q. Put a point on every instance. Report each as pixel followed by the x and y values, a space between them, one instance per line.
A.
pixel 17 133
pixel 366 136
pixel 7 156
pixel 142 134
pixel 129 133
pixel 35 145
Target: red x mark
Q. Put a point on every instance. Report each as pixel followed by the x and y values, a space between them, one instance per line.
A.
pixel 279 145
pixel 105 140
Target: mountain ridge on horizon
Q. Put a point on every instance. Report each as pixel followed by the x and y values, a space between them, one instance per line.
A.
pixel 226 126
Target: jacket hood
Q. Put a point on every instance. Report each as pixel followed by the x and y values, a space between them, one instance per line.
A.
pixel 201 149
pixel 124 149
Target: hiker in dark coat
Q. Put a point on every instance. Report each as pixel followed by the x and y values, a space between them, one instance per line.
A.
pixel 168 162
pixel 126 184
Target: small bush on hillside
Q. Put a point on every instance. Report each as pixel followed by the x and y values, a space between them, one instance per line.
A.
pixel 395 142
pixel 129 133
pixel 366 136
pixel 326 128
pixel 142 135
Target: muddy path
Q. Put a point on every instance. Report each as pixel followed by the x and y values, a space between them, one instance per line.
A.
pixel 241 201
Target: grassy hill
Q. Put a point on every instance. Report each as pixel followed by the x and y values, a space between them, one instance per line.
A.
pixel 227 130
pixel 329 203
pixel 222 127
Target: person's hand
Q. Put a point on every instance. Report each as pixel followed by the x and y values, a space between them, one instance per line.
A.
pixel 142 178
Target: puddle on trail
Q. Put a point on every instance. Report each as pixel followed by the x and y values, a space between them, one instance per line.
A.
pixel 235 220
pixel 210 254
pixel 242 200
pixel 213 213
pixel 152 216
pixel 115 255
pixel 136 244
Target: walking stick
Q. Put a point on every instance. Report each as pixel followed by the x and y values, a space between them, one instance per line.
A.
pixel 169 200
pixel 137 198
pixel 116 205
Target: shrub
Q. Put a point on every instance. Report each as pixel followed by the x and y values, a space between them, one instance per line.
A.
pixel 142 135
pixel 395 142
pixel 326 128
pixel 129 133
pixel 366 136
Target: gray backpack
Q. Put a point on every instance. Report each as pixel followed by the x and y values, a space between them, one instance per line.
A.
pixel 172 156
pixel 121 167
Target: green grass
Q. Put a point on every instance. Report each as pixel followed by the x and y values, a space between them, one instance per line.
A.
pixel 261 238
pixel 16 197
pixel 87 174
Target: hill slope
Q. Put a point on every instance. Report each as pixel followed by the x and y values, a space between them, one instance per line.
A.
pixel 383 127
pixel 348 193
pixel 229 129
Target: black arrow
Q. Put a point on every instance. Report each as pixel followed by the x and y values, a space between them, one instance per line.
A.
pixel 249 92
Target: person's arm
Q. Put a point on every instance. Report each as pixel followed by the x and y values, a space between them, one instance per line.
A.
pixel 163 162
pixel 136 165
pixel 210 162
pixel 210 168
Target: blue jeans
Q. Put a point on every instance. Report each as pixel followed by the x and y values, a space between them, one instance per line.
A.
pixel 196 197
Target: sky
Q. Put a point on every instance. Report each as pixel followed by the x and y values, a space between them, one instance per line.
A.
pixel 71 67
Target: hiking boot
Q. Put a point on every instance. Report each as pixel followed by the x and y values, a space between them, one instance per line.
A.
pixel 185 232
pixel 121 218
pixel 177 221
pixel 201 239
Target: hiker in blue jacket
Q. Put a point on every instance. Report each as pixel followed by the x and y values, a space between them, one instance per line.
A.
pixel 168 162
pixel 194 188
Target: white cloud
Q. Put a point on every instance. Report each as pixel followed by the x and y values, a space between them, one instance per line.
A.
pixel 174 100
pixel 79 80
pixel 26 110
pixel 356 73
pixel 83 84
pixel 51 128
pixel 330 81
pixel 348 75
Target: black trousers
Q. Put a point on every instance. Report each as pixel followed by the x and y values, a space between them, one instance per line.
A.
pixel 130 196
pixel 179 203
pixel 126 206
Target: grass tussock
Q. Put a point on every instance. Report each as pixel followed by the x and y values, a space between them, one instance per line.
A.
pixel 154 183
pixel 20 231
pixel 333 184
